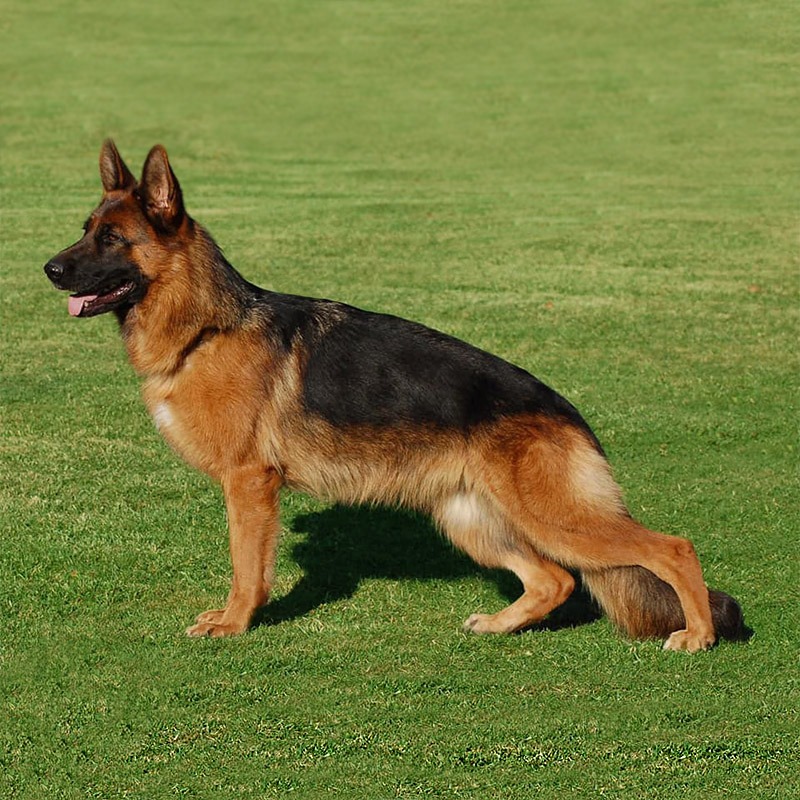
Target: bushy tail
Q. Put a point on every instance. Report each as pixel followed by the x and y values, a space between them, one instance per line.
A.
pixel 644 607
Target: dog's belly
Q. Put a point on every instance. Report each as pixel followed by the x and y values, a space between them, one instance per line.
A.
pixel 368 465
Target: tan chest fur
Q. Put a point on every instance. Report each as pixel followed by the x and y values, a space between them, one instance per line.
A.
pixel 213 410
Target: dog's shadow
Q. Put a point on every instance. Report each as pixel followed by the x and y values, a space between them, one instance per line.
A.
pixel 344 545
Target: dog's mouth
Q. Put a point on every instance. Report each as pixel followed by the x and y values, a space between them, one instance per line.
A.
pixel 88 305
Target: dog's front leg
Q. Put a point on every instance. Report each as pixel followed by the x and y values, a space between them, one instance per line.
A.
pixel 251 499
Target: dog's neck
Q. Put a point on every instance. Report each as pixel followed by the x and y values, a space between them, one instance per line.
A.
pixel 181 310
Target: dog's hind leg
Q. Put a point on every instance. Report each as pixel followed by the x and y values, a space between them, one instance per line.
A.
pixel 473 526
pixel 251 500
pixel 545 587
pixel 603 544
pixel 555 486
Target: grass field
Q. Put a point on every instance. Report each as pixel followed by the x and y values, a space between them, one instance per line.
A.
pixel 603 193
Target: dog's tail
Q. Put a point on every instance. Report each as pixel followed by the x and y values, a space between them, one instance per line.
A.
pixel 644 607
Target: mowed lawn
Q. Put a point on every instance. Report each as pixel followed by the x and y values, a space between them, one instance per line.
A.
pixel 603 193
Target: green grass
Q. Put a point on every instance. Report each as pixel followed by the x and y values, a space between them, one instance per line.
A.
pixel 604 193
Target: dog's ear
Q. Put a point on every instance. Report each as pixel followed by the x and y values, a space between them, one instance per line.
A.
pixel 113 172
pixel 160 191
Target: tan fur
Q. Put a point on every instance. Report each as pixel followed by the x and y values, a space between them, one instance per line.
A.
pixel 206 408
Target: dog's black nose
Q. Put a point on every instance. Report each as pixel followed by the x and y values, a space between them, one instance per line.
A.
pixel 53 270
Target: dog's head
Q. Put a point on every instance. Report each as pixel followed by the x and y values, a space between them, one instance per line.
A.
pixel 111 267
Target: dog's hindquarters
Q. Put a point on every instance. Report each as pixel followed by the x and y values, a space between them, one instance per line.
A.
pixel 544 499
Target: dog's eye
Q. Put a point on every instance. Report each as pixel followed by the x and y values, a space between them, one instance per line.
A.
pixel 109 236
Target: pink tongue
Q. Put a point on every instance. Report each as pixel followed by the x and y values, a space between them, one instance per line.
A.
pixel 76 304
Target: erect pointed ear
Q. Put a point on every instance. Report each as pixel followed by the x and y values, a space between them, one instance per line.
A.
pixel 113 172
pixel 160 190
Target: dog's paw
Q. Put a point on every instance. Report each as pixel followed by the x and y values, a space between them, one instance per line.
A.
pixel 689 641
pixel 214 630
pixel 213 615
pixel 481 623
pixel 212 623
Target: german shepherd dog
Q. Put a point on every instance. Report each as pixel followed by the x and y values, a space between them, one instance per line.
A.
pixel 263 390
